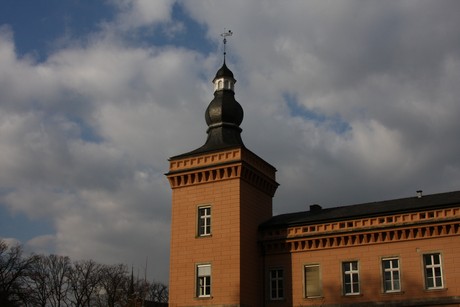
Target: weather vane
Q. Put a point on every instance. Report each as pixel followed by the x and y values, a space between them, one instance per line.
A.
pixel 224 35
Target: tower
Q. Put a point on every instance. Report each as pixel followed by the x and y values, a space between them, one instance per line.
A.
pixel 221 193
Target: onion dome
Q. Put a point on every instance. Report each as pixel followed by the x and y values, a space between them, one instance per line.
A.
pixel 223 115
pixel 224 109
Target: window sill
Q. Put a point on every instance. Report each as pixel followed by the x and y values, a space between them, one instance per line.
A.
pixel 393 293
pixel 203 236
pixel 436 290
pixel 352 295
pixel 200 298
pixel 313 298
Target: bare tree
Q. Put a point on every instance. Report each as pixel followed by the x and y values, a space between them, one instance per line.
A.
pixel 39 288
pixel 158 293
pixel 59 267
pixel 13 272
pixel 55 281
pixel 114 283
pixel 84 278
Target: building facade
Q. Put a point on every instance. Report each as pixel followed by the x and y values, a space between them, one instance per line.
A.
pixel 402 252
pixel 228 250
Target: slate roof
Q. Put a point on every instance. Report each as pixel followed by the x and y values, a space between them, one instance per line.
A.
pixel 223 117
pixel 372 209
pixel 223 72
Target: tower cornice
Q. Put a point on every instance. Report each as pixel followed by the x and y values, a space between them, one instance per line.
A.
pixel 223 165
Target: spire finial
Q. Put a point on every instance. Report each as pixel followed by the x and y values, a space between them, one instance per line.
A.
pixel 224 35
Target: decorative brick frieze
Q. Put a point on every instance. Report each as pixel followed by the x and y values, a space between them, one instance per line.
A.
pixel 364 223
pixel 237 163
pixel 204 175
pixel 204 160
pixel 349 239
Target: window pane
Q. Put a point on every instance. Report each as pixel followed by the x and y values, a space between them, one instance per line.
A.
pixel 312 281
pixel 438 282
pixel 429 273
pixel 355 288
pixel 204 221
pixel 350 277
pixel 388 285
pixel 280 289
pixel 355 277
pixel 276 284
pixel 433 271
pixel 391 281
pixel 428 259
pixel 203 280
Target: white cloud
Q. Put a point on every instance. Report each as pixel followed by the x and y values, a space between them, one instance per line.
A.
pixel 85 134
pixel 44 244
pixel 142 13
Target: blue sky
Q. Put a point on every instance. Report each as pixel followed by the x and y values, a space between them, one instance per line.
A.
pixel 39 24
pixel 351 101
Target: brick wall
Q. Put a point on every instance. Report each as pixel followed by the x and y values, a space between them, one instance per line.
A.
pixel 239 187
pixel 369 257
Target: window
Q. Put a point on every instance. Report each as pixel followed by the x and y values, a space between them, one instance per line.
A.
pixel 350 277
pixel 391 275
pixel 433 271
pixel 203 280
pixel 204 221
pixel 276 284
pixel 312 281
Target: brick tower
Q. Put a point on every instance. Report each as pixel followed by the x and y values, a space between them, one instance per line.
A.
pixel 221 192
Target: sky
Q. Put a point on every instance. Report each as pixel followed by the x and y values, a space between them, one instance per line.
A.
pixel 351 101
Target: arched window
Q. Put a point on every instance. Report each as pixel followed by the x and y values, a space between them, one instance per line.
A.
pixel 219 85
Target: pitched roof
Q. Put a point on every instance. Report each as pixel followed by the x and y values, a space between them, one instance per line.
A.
pixel 379 208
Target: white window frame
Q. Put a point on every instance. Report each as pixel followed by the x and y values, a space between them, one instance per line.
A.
pixel 203 280
pixel 394 272
pixel 204 219
pixel 432 271
pixel 276 284
pixel 352 273
pixel 308 294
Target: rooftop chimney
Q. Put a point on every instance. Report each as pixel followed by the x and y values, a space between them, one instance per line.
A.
pixel 419 194
pixel 315 208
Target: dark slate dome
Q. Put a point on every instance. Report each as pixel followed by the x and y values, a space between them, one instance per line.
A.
pixel 223 115
pixel 224 109
pixel 224 72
